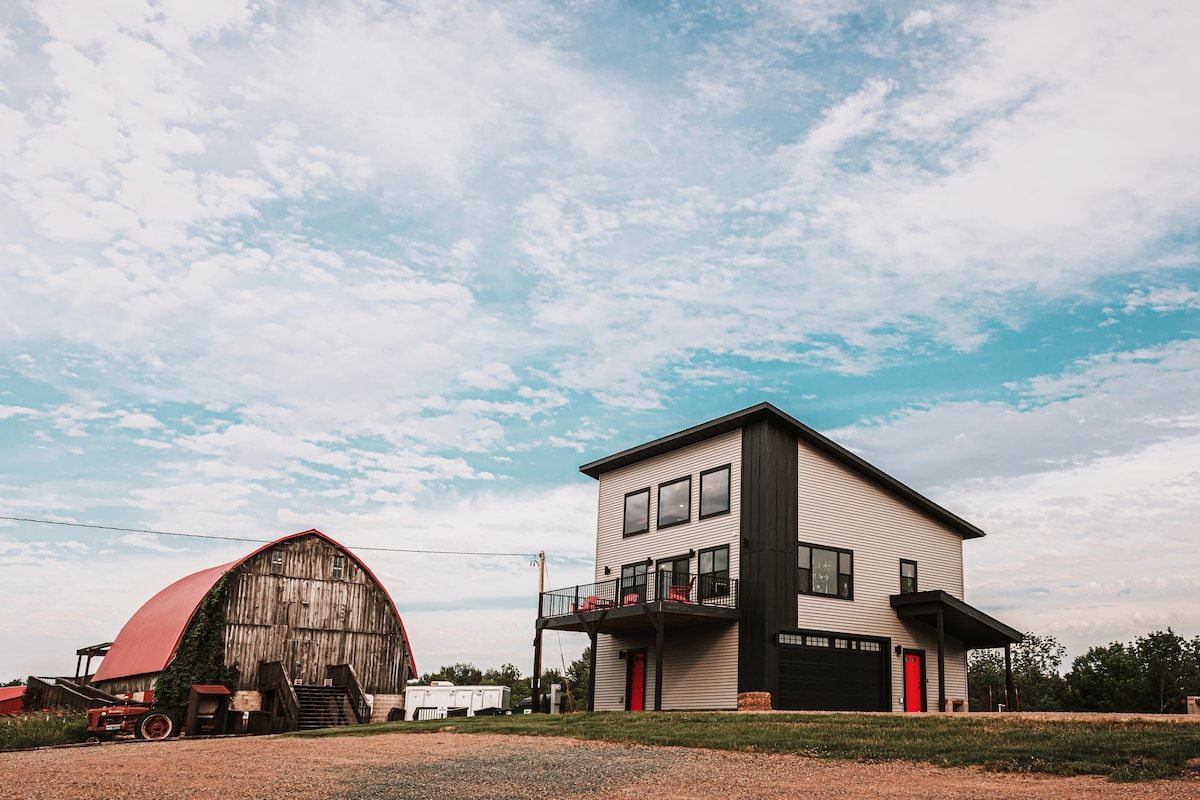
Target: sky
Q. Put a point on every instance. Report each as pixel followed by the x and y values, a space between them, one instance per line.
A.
pixel 395 270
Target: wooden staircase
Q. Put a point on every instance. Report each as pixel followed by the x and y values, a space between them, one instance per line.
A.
pixel 324 707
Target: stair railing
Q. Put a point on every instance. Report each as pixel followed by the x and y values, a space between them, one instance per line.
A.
pixel 273 677
pixel 343 675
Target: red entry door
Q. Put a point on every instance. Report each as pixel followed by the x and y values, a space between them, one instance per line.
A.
pixel 637 682
pixel 914 669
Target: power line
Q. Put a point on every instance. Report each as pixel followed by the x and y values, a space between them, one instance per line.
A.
pixel 255 541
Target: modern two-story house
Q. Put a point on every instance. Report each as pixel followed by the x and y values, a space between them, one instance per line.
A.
pixel 753 554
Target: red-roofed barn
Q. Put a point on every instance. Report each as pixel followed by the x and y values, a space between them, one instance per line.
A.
pixel 11 698
pixel 277 626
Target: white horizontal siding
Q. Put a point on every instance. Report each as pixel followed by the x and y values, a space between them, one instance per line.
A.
pixel 613 550
pixel 699 668
pixel 838 508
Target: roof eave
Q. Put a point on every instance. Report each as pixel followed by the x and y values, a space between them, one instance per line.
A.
pixel 739 419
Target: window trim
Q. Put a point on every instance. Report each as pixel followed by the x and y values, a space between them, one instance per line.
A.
pixel 338 570
pixel 701 591
pixel 728 492
pixel 915 576
pixel 687 517
pixel 839 551
pixel 625 513
pixel 276 561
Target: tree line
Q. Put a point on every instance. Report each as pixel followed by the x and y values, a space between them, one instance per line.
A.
pixel 1155 674
pixel 577 679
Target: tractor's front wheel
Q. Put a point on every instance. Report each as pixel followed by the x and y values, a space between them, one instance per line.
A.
pixel 156 725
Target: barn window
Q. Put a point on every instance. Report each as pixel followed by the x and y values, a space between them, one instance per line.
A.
pixel 339 567
pixel 276 562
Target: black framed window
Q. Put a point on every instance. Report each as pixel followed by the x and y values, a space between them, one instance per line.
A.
pixel 714 492
pixel 276 562
pixel 826 571
pixel 637 512
pixel 339 567
pixel 712 569
pixel 633 583
pixel 675 502
pixel 908 576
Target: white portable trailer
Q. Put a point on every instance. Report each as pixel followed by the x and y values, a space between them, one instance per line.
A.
pixel 443 699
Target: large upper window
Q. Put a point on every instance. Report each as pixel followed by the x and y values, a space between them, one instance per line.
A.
pixel 826 571
pixel 339 567
pixel 908 576
pixel 637 512
pixel 276 562
pixel 714 492
pixel 713 572
pixel 675 502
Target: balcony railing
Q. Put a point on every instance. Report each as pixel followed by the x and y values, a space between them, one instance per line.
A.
pixel 672 587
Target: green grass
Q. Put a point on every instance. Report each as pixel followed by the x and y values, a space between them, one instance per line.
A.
pixel 1135 750
pixel 41 729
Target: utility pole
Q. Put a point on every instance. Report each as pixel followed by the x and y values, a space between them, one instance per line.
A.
pixel 536 698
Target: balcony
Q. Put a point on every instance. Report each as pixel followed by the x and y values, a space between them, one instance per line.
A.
pixel 621 606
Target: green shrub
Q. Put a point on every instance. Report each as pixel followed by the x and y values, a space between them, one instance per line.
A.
pixel 41 729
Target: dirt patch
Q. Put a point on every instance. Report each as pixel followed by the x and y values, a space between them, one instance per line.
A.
pixel 446 765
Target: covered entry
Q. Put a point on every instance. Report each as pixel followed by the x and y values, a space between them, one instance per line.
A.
pixel 823 671
pixel 949 616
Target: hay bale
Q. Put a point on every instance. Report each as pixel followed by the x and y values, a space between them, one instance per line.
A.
pixel 754 701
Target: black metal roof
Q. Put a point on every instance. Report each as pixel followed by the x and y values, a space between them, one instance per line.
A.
pixel 969 625
pixel 766 411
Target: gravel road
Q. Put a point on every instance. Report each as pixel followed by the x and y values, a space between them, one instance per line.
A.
pixel 466 767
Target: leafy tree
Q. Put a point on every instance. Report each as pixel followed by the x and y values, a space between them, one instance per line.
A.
pixel 508 675
pixel 579 674
pixel 462 674
pixel 985 679
pixel 13 682
pixel 1107 679
pixel 1170 667
pixel 1035 663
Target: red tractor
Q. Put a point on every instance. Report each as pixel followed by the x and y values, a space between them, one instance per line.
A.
pixel 144 722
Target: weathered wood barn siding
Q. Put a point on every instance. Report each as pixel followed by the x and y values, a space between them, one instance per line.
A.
pixel 307 618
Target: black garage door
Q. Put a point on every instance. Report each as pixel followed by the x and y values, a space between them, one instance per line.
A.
pixel 833 672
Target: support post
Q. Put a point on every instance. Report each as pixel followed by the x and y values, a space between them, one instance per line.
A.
pixel 941 644
pixel 536 686
pixel 659 624
pixel 592 629
pixel 1009 689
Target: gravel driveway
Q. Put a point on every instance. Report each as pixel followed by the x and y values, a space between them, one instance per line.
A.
pixel 467 767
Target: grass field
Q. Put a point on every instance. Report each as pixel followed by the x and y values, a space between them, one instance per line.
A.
pixel 1123 750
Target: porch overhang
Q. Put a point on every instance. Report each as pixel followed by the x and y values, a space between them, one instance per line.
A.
pixel 975 629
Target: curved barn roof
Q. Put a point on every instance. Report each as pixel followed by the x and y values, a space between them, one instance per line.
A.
pixel 150 638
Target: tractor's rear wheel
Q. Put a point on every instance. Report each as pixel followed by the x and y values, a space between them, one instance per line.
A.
pixel 156 725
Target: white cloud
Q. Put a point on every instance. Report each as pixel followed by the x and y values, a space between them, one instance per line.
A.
pixel 138 421
pixel 1163 299
pixel 916 20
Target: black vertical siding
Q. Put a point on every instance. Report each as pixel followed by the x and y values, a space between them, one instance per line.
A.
pixel 768 563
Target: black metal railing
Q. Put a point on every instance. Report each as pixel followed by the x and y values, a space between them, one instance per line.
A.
pixel 673 587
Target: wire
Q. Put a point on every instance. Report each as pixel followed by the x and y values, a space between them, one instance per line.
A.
pixel 243 539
